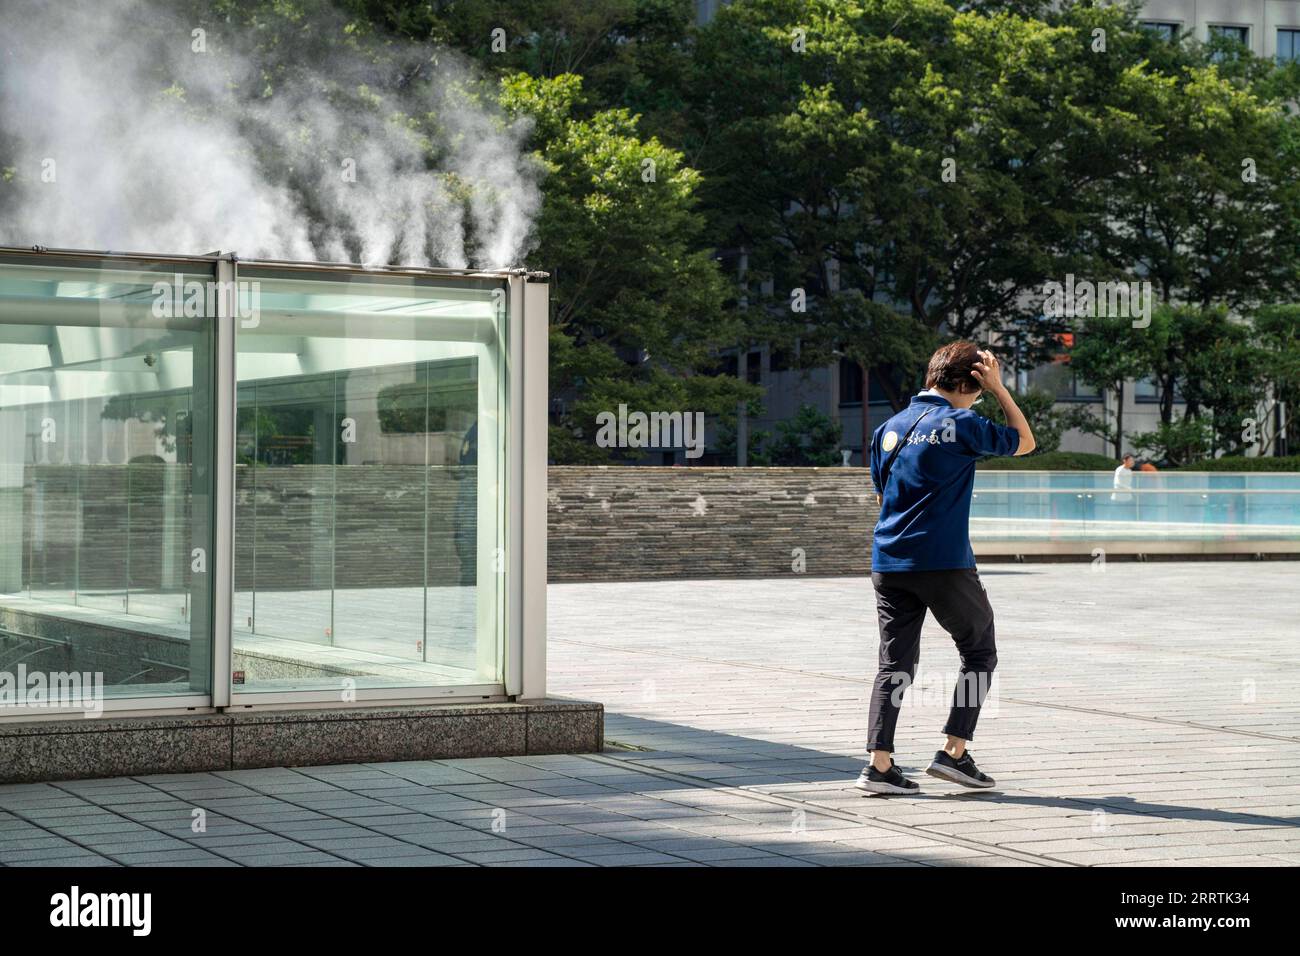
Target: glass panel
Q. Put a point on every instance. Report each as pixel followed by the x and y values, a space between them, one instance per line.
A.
pixel 1166 31
pixel 850 382
pixel 369 483
pixel 1058 379
pixel 1148 390
pixel 105 475
pixel 1073 507
pixel 1286 45
pixel 1235 34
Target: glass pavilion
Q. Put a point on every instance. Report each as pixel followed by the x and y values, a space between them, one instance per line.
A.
pixel 229 483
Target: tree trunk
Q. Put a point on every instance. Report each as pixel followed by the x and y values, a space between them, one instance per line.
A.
pixel 1119 422
pixel 891 393
pixel 866 416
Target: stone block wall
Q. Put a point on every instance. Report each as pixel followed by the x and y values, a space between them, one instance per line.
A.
pixel 362 526
pixel 102 528
pixel 365 526
pixel 643 523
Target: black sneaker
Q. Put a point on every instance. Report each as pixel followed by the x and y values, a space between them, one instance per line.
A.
pixel 961 771
pixel 891 781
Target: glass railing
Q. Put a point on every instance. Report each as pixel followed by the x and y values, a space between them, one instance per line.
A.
pixel 1168 506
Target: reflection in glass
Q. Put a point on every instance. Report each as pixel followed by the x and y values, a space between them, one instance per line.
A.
pixel 105 476
pixel 368 527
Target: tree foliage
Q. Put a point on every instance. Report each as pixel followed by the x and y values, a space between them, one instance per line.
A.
pixel 636 297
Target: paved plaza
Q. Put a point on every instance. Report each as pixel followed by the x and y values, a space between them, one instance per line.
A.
pixel 1143 714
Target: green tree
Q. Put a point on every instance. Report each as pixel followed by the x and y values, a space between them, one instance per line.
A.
pixel 1039 407
pixel 635 295
pixel 630 53
pixel 810 438
pixel 1277 331
pixel 1206 202
pixel 1212 362
pixel 1178 443
pixel 1108 353
pixel 1224 379
pixel 904 155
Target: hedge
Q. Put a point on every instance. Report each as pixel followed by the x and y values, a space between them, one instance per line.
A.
pixel 1238 463
pixel 1086 461
pixel 1053 461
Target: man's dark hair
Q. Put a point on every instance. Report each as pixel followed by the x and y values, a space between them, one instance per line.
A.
pixel 950 368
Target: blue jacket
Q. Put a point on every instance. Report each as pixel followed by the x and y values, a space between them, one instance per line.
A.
pixel 925 512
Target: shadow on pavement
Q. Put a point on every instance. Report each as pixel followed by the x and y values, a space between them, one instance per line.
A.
pixel 730 760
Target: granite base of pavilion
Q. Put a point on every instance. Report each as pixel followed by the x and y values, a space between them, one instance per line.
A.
pixel 135 746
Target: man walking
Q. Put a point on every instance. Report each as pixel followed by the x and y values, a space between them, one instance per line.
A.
pixel 1123 484
pixel 923 468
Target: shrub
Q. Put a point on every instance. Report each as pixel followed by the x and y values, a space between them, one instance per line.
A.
pixel 1052 461
pixel 1183 442
pixel 1085 461
pixel 1238 463
pixel 1039 409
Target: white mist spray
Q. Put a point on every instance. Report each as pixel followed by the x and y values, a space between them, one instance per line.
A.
pixel 127 130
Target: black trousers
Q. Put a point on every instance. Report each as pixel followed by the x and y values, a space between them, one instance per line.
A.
pixel 957 600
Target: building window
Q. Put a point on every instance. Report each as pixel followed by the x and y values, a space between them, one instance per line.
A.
pixel 1081 390
pixel 1166 31
pixel 754 368
pixel 1058 379
pixel 1148 390
pixel 1233 33
pixel 1288 45
pixel 832 275
pixel 850 382
pixel 779 359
